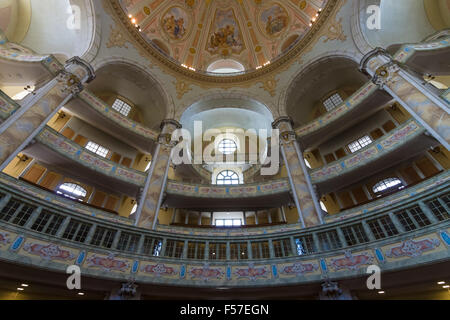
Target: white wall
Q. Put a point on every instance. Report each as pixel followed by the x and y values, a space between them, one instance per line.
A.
pixel 50 32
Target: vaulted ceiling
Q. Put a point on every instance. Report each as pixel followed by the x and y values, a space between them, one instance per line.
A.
pixel 197 33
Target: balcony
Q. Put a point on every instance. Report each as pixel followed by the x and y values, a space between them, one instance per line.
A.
pixel 338 250
pixel 56 150
pixel 94 111
pixel 404 142
pixel 366 101
pixel 255 195
pixel 7 106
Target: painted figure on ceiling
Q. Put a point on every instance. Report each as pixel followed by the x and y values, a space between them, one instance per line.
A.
pixel 275 20
pixel 225 33
pixel 174 23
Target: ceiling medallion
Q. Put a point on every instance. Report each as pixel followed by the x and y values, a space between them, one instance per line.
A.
pixel 273 21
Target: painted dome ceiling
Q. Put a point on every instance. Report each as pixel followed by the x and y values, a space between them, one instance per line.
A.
pixel 223 35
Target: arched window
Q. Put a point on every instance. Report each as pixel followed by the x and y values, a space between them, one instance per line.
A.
pixel 227 177
pixel 227 146
pixel 225 66
pixel 388 185
pixel 72 191
pixel 122 107
pixel 333 101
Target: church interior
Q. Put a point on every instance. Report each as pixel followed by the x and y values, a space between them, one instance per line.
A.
pixel 232 149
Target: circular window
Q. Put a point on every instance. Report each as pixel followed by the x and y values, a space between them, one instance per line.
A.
pixel 227 146
pixel 227 177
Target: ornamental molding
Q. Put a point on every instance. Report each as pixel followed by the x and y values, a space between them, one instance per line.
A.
pixel 125 32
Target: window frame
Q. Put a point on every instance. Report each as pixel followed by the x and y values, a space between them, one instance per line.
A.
pixel 122 106
pixel 221 178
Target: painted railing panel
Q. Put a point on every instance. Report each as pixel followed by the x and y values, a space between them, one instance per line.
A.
pixel 408 50
pixel 15 53
pixel 372 152
pixel 7 106
pixel 72 150
pixel 115 116
pixel 428 186
pixel 408 250
pixel 349 104
pixel 21 189
pixel 242 191
pixel 446 96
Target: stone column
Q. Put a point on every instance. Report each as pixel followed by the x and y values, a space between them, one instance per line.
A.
pixel 148 210
pixel 303 193
pixel 430 111
pixel 18 131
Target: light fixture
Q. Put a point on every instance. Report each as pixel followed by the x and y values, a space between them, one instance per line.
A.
pixel 441 282
pixel 446 286
pixel 380 292
pixel 20 289
pixel 24 285
pixel 81 293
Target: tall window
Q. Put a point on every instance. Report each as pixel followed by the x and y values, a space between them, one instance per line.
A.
pixel 97 149
pixel 72 191
pixel 121 107
pixel 359 144
pixel 387 185
pixel 227 146
pixel 227 177
pixel 332 102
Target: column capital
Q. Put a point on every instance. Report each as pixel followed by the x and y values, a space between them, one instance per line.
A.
pixel 81 68
pixel 168 126
pixel 370 55
pixel 282 122
pixel 76 73
pixel 286 126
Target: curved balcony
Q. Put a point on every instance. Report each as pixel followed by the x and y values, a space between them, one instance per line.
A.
pixel 7 106
pixel 261 195
pixel 34 193
pixel 34 68
pixel 46 236
pixel 407 139
pixel 55 149
pixel 94 111
pixel 429 57
pixel 357 107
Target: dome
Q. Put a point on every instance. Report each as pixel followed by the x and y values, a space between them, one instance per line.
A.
pixel 227 36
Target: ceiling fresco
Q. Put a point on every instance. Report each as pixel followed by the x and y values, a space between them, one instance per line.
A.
pixel 197 33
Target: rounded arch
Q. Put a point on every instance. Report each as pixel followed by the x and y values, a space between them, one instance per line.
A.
pixel 235 98
pixel 227 111
pixel 395 22
pixel 133 81
pixel 334 71
pixel 69 26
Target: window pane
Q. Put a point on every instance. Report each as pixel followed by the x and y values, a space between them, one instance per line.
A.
pixel 227 146
pixel 121 107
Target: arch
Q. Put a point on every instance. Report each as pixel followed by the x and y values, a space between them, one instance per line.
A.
pixel 236 98
pixel 139 79
pixel 225 64
pixel 70 26
pixel 396 26
pixel 227 111
pixel 333 71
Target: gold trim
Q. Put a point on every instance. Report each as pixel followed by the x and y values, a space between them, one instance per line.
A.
pixel 210 79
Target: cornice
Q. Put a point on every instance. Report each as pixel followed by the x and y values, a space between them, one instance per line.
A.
pixel 193 76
